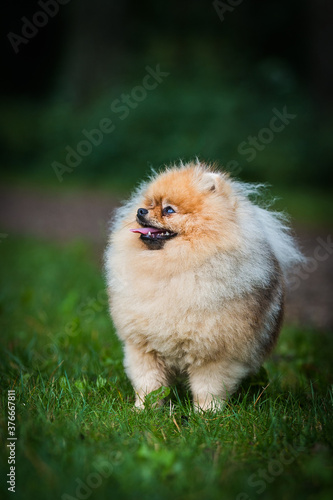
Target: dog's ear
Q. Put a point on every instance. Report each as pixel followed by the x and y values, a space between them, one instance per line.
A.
pixel 209 181
pixel 215 182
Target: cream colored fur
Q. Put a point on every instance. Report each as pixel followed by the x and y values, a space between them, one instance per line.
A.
pixel 209 303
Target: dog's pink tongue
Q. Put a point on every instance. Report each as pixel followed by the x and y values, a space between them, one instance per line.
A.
pixel 146 230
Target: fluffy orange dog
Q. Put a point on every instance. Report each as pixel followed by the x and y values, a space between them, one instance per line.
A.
pixel 196 276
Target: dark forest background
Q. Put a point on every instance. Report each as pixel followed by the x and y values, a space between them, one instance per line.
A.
pixel 243 83
pixel 229 63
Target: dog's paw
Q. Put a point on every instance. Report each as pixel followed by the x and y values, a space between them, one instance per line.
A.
pixel 209 405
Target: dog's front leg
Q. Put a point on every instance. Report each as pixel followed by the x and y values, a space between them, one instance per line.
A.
pixel 212 382
pixel 146 370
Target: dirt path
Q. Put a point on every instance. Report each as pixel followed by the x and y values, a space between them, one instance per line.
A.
pixel 85 214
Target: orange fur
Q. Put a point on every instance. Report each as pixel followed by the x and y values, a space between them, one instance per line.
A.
pixel 209 302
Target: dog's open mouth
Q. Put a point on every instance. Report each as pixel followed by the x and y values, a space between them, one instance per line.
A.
pixel 153 234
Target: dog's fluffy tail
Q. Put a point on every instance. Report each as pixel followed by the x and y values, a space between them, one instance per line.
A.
pixel 279 235
pixel 275 228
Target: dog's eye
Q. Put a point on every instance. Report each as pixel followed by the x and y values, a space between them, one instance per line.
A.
pixel 168 210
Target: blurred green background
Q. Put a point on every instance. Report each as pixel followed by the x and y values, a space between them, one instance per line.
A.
pixel 229 65
pixel 93 94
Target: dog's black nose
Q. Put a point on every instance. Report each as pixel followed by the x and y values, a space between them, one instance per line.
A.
pixel 142 212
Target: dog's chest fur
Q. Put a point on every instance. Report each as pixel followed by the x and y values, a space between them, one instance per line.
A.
pixel 187 319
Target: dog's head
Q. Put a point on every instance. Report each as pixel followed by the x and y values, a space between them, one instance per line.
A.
pixel 191 204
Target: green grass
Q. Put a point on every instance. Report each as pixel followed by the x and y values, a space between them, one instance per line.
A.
pixel 78 436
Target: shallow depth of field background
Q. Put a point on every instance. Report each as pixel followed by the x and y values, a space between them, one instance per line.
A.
pixel 82 120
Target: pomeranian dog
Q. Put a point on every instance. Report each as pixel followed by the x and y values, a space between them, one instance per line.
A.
pixel 196 277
